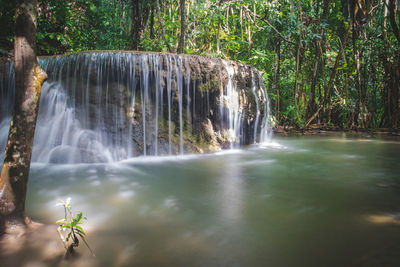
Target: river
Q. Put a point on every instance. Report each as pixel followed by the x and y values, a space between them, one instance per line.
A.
pixel 299 201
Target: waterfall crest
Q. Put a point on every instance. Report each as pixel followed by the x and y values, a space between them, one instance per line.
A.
pixel 109 106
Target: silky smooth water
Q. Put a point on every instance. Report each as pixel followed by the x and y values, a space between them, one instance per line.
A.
pixel 331 201
pixel 110 106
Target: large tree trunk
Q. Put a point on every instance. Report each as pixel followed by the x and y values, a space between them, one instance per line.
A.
pixel 28 82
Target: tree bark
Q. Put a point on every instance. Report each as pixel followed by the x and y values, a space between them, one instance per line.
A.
pixel 28 82
pixel 181 46
pixel 140 13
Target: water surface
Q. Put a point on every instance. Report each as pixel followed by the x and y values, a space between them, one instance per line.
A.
pixel 331 201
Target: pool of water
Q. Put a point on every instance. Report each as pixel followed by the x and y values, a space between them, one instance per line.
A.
pixel 331 201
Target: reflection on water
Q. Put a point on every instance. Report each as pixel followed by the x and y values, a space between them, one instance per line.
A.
pixel 231 189
pixel 298 202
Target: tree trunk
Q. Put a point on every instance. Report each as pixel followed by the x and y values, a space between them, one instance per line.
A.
pixel 391 93
pixel 28 82
pixel 392 18
pixel 140 14
pixel 152 23
pixel 358 78
pixel 162 25
pixel 181 46
pixel 296 89
pixel 219 28
pixel 278 79
pixel 333 75
pixel 391 116
pixel 298 63
pixel 311 106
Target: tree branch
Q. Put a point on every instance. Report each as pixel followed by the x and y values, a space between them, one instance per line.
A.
pixel 272 26
pixel 162 25
pixel 333 75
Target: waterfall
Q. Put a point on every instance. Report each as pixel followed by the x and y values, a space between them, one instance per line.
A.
pixel 265 133
pixel 231 100
pixel 178 68
pixel 108 106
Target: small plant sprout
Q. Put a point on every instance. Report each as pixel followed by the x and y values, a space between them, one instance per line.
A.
pixel 72 225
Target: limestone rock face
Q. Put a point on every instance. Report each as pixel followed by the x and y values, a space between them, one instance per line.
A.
pixel 104 106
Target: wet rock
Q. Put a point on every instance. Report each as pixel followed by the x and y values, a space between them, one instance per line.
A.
pixel 136 103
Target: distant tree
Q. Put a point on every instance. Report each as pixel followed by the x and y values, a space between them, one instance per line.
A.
pixel 391 92
pixel 181 46
pixel 140 10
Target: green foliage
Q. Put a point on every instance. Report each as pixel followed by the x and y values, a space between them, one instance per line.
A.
pixel 73 227
pixel 72 224
pixel 7 11
pixel 284 39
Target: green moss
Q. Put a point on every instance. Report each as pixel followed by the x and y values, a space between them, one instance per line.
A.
pixel 212 84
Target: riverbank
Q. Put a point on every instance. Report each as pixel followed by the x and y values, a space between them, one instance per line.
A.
pixel 34 245
pixel 318 129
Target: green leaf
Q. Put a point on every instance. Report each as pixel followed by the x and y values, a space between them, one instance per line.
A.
pixel 68 236
pixel 81 233
pixel 79 228
pixel 61 221
pixel 66 226
pixel 79 216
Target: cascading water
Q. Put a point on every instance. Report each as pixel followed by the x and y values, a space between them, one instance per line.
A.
pixel 108 106
pixel 265 133
pixel 230 99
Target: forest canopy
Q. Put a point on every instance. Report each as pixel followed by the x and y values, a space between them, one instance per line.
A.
pixel 334 62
